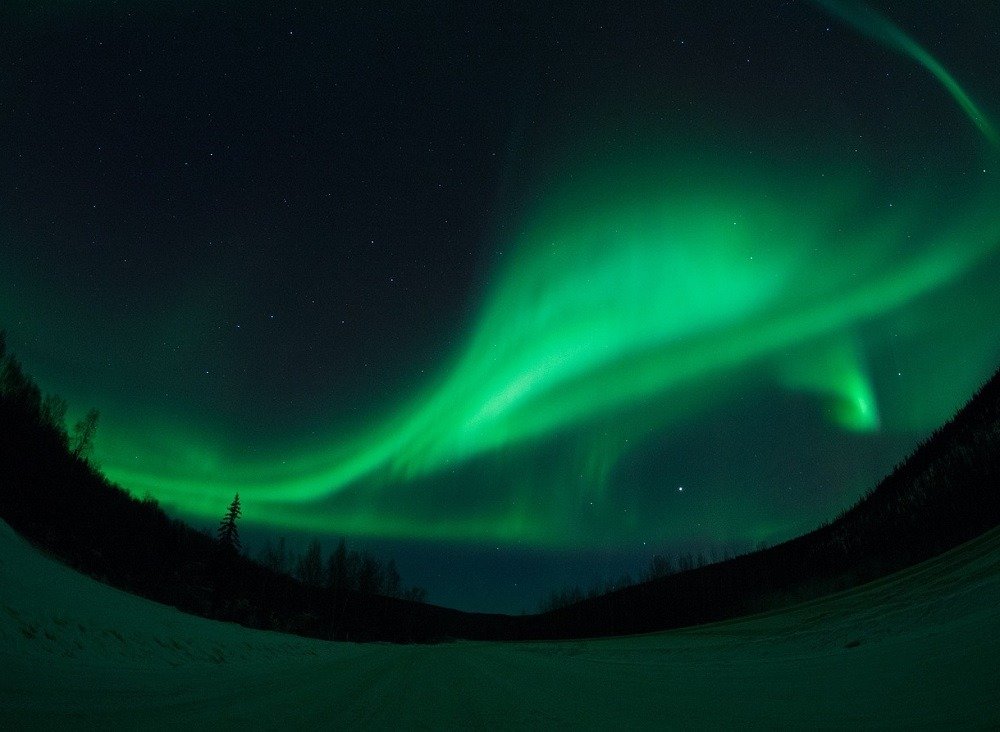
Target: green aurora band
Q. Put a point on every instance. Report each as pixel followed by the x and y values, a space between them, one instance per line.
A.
pixel 641 289
pixel 867 21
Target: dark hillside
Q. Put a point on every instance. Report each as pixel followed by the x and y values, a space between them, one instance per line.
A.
pixel 945 494
pixel 53 496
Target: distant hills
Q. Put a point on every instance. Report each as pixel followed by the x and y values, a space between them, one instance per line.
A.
pixel 946 493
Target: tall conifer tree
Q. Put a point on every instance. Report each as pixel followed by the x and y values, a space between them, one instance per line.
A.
pixel 229 533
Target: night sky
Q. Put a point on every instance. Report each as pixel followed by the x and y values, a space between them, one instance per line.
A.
pixel 521 296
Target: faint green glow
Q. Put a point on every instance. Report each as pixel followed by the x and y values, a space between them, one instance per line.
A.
pixel 638 292
pixel 881 29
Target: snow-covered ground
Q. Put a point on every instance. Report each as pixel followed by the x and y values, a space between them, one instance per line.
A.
pixel 920 649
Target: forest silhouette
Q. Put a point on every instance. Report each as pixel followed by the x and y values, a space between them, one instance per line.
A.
pixel 944 494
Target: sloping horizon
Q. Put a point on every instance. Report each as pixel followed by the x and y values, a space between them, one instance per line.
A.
pixel 913 649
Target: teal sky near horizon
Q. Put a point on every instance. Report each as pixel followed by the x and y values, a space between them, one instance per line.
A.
pixel 521 291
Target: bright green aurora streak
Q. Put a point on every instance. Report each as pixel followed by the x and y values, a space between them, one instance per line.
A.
pixel 638 289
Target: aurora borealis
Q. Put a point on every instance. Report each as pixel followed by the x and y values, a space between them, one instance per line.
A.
pixel 532 294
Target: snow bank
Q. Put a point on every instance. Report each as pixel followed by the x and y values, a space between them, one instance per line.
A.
pixel 916 649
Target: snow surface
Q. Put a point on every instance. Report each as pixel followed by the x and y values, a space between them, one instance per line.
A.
pixel 919 649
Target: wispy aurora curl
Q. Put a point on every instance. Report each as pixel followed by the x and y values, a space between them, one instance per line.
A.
pixel 635 293
pixel 872 24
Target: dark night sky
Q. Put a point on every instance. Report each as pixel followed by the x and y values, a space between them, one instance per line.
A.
pixel 520 295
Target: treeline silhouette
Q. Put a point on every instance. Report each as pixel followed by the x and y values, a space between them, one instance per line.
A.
pixel 52 495
pixel 343 568
pixel 660 565
pixel 947 492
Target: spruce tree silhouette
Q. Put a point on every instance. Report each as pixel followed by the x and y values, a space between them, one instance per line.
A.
pixel 309 568
pixel 229 533
pixel 82 440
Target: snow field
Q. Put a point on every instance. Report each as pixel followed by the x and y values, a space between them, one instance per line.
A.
pixel 918 649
